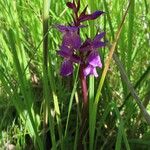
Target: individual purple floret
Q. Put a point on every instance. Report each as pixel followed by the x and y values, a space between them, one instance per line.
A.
pixel 92 60
pixel 71 38
pixel 71 43
pixel 90 70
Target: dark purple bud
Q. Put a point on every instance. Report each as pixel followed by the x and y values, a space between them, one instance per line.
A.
pixel 71 5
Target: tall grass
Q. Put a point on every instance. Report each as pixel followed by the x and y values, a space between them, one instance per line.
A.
pixel 39 109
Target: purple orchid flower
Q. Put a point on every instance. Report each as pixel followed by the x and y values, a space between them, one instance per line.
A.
pixel 90 47
pixel 93 61
pixel 71 38
pixel 73 50
pixel 70 44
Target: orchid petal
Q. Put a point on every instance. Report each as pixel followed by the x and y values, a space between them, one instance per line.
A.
pixel 86 45
pixel 72 40
pixel 98 44
pixel 65 51
pixel 99 36
pixel 90 70
pixel 66 68
pixel 92 16
pixel 94 59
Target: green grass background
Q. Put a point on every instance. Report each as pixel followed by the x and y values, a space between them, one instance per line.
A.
pixel 32 94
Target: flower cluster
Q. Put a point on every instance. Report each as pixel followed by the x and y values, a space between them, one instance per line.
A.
pixel 73 50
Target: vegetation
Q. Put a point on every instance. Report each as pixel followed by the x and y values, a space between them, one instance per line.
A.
pixel 40 109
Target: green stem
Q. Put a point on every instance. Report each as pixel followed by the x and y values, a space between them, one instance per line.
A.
pixel 46 5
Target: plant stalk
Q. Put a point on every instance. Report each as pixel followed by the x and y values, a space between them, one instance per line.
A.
pixel 46 5
pixel 85 106
pixel 84 87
